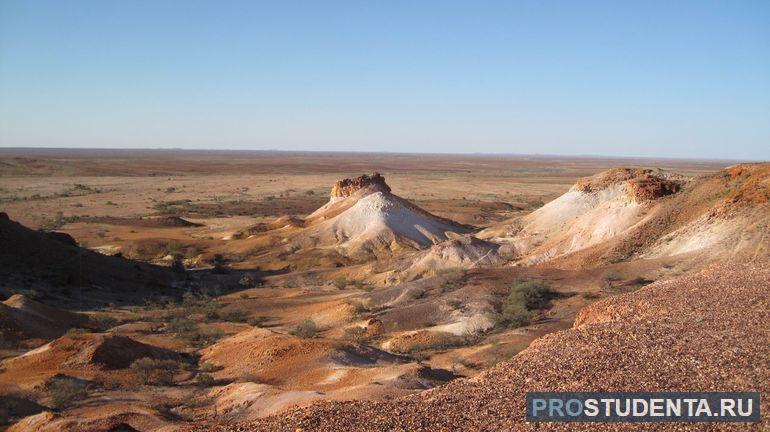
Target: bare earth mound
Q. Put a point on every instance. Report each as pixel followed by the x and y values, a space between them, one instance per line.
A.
pixel 80 355
pixel 22 318
pixel 51 264
pixel 679 335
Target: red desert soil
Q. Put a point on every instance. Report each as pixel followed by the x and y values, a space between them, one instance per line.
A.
pixel 705 332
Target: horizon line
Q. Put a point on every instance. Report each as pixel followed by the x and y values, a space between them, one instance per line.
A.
pixel 379 152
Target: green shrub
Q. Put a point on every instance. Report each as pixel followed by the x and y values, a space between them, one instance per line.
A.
pixel 189 331
pixel 515 315
pixel 65 391
pixel 181 325
pixel 76 331
pixel 207 367
pixel 257 321
pixel 202 337
pixel 236 315
pixel 103 322
pixel 418 293
pixel 306 329
pixel 204 380
pixel 359 307
pixel 149 370
pixel 525 296
pixel 454 304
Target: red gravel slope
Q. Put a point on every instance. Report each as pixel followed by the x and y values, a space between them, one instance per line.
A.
pixel 710 331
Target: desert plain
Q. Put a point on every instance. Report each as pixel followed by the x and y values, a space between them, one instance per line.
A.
pixel 162 290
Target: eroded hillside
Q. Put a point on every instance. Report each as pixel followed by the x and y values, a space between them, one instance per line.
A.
pixel 169 316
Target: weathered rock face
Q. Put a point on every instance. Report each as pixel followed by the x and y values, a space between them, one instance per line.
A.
pixel 346 187
pixel 649 187
pixel 609 177
pixel 641 184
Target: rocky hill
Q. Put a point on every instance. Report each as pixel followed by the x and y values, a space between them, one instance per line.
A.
pixel 625 213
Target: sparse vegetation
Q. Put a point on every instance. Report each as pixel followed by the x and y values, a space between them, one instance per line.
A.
pixel 207 367
pixel 359 307
pixel 610 275
pixel 258 321
pixel 190 332
pixel 154 371
pixel 204 380
pixel 65 391
pixel 249 281
pixel 307 329
pixel 236 315
pixel 525 296
pixel 75 331
pixel 454 304
pixel 418 293
pixel 103 322
pixel 425 341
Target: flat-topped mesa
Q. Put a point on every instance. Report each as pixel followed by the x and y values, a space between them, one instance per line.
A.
pixel 641 184
pixel 346 187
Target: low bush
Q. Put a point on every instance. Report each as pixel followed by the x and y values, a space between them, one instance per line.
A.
pixel 454 304
pixel 235 315
pixel 306 329
pixel 200 338
pixel 76 331
pixel 207 367
pixel 65 391
pixel 103 322
pixel 149 370
pixel 249 281
pixel 258 321
pixel 204 380
pixel 525 296
pixel 611 275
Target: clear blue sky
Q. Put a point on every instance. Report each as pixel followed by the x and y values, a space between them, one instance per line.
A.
pixel 646 78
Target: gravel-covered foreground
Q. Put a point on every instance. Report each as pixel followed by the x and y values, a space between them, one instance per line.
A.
pixel 708 332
